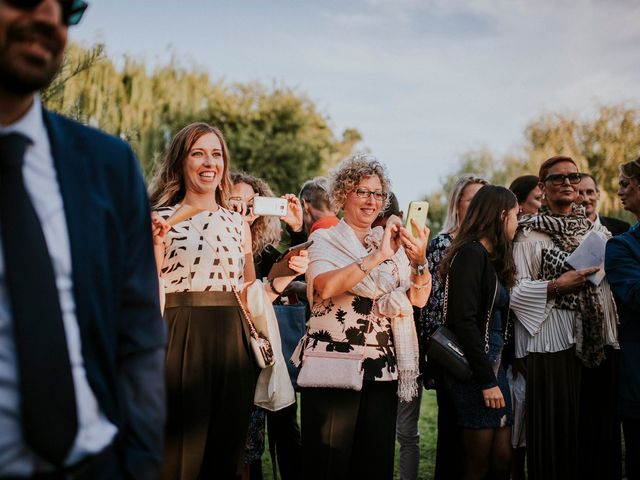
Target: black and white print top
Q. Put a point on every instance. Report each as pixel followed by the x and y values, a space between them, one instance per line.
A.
pixel 346 323
pixel 196 247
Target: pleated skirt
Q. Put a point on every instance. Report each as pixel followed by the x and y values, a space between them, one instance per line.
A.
pixel 211 377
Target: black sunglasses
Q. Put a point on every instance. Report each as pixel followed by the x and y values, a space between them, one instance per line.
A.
pixel 72 10
pixel 559 178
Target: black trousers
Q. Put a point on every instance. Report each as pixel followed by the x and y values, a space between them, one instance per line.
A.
pixel 284 435
pixel 631 427
pixel 449 464
pixel 600 446
pixel 348 434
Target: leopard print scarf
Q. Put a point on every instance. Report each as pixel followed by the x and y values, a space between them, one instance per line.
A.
pixel 566 232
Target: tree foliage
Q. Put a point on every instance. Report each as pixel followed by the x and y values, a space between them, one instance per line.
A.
pixel 598 144
pixel 272 131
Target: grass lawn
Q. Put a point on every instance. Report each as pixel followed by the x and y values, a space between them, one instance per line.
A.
pixel 427 425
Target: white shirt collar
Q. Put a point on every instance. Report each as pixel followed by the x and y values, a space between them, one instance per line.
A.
pixel 31 124
pixel 597 220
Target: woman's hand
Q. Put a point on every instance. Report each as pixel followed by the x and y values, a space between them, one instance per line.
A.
pixel 159 229
pixel 236 204
pixel 416 247
pixel 390 241
pixel 293 218
pixel 299 263
pixel 574 280
pixel 493 398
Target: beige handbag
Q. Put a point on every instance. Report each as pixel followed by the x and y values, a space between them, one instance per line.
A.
pixel 321 369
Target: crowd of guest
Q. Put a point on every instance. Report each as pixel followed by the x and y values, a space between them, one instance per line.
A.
pixel 163 331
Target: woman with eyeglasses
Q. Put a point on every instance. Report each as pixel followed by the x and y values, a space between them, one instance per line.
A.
pixel 622 264
pixel 566 328
pixel 362 283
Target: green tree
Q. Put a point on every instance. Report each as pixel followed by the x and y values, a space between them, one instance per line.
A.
pixel 597 143
pixel 272 131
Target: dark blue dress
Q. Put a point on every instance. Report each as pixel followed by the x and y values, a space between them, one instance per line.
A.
pixel 467 396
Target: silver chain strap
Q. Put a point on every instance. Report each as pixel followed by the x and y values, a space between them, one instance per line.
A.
pixel 488 321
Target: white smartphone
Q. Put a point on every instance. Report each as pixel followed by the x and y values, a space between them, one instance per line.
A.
pixel 273 206
pixel 417 211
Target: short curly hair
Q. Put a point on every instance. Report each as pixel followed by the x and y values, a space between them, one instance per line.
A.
pixel 348 174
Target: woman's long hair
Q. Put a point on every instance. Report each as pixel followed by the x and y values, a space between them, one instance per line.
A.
pixel 168 187
pixel 266 229
pixel 485 218
pixel 451 220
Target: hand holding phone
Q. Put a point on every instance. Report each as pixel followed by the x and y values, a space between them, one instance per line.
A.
pixel 418 212
pixel 271 206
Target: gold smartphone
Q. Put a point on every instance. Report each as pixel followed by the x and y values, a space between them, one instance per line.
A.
pixel 417 211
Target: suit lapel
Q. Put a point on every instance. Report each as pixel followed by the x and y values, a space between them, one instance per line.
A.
pixel 71 170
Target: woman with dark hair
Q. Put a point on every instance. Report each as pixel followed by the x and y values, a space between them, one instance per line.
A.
pixel 202 259
pixel 449 441
pixel 479 270
pixel 527 190
pixel 622 264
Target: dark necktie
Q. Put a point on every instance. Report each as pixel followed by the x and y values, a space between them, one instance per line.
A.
pixel 49 419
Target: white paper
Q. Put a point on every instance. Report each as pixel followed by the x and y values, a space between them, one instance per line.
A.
pixel 590 253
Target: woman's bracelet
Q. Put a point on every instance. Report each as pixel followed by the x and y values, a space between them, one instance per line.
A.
pixel 555 287
pixel 424 285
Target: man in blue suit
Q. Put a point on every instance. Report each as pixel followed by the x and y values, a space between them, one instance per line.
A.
pixel 81 335
pixel 622 264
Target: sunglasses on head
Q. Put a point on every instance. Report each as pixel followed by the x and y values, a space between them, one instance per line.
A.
pixel 559 178
pixel 72 10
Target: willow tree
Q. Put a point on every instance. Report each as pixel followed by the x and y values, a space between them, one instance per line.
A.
pixel 273 131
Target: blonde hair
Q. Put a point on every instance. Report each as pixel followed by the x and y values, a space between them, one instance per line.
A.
pixel 452 220
pixel 348 174
pixel 167 187
pixel 631 170
pixel 265 230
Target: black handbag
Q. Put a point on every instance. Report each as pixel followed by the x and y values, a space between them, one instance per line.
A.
pixel 444 348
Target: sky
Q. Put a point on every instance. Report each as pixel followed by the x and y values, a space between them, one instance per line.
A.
pixel 424 81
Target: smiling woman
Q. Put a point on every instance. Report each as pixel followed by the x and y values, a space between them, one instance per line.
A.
pixel 362 283
pixel 203 256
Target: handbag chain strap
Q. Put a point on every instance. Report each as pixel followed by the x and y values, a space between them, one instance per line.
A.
pixel 487 322
pixel 234 289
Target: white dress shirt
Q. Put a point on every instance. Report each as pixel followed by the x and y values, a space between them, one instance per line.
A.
pixel 95 432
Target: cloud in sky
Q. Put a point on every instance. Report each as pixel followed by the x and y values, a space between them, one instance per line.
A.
pixel 423 80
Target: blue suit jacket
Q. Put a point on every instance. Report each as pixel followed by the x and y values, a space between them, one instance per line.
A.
pixel 622 264
pixel 115 286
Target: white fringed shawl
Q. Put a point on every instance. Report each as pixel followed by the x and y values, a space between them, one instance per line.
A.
pixel 339 247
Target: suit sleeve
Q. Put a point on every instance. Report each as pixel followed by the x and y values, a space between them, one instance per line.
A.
pixel 464 308
pixel 141 338
pixel 623 271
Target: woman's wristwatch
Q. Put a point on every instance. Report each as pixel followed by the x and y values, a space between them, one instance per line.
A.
pixel 419 270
